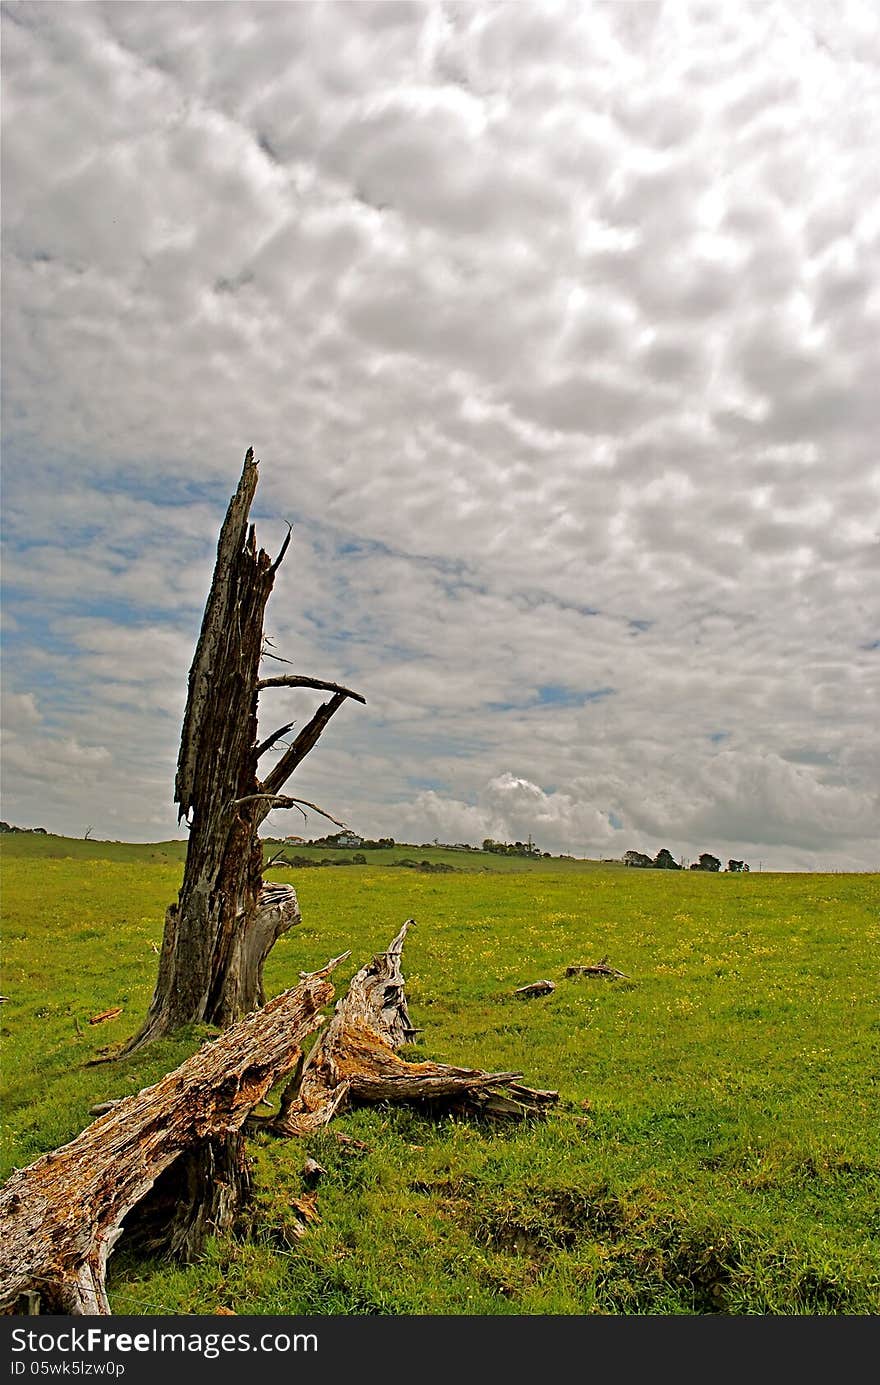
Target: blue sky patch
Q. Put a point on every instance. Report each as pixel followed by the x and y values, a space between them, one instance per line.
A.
pixel 556 695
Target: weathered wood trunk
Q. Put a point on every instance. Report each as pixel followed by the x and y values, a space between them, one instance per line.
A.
pixel 356 1059
pixel 220 931
pixel 210 966
pixel 61 1217
pixel 212 992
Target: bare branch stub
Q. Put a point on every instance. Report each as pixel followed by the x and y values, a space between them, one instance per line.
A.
pixel 284 547
pixel 276 736
pixel 280 800
pixel 308 736
pixel 297 680
pixel 304 742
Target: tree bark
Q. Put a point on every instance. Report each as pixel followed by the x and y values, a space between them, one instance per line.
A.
pixel 61 1217
pixel 224 923
pixel 356 1059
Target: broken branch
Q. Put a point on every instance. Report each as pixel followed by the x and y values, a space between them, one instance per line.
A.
pixel 275 736
pixel 106 1015
pixel 295 680
pixel 307 738
pixel 280 800
pixel 284 547
pixel 356 1059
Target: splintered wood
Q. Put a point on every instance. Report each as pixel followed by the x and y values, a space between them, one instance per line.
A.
pixel 171 1158
pixel 356 1059
pixel 61 1216
pixel 225 922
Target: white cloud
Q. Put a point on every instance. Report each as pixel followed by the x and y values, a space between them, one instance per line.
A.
pixel 510 808
pixel 20 710
pixel 556 329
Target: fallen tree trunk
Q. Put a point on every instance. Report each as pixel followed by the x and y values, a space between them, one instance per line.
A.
pixel 356 1059
pixel 61 1217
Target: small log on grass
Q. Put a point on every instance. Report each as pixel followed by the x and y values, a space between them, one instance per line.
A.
pixel 356 1060
pixel 106 1015
pixel 61 1216
pixel 600 968
pixel 535 988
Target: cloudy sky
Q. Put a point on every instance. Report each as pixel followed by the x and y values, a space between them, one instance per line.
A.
pixel 555 328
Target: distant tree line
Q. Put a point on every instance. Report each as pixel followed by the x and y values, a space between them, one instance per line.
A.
pixel 664 860
pixel 429 867
pixel 513 848
pixel 308 862
pixel 347 839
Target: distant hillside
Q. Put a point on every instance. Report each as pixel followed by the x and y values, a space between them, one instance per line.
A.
pixel 36 845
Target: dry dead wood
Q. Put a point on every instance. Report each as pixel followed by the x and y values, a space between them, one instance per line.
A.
pixel 356 1059
pixel 218 933
pixel 535 988
pixel 61 1217
pixel 243 950
pixel 600 968
pixel 106 1015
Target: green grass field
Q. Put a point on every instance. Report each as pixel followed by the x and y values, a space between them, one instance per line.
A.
pixel 717 1144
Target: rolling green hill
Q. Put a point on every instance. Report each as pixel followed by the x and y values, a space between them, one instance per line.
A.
pixel 715 1150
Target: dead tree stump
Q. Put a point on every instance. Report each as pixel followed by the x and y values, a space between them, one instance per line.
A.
pixel 223 925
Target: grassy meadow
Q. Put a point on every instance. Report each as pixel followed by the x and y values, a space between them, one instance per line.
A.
pixel 716 1148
